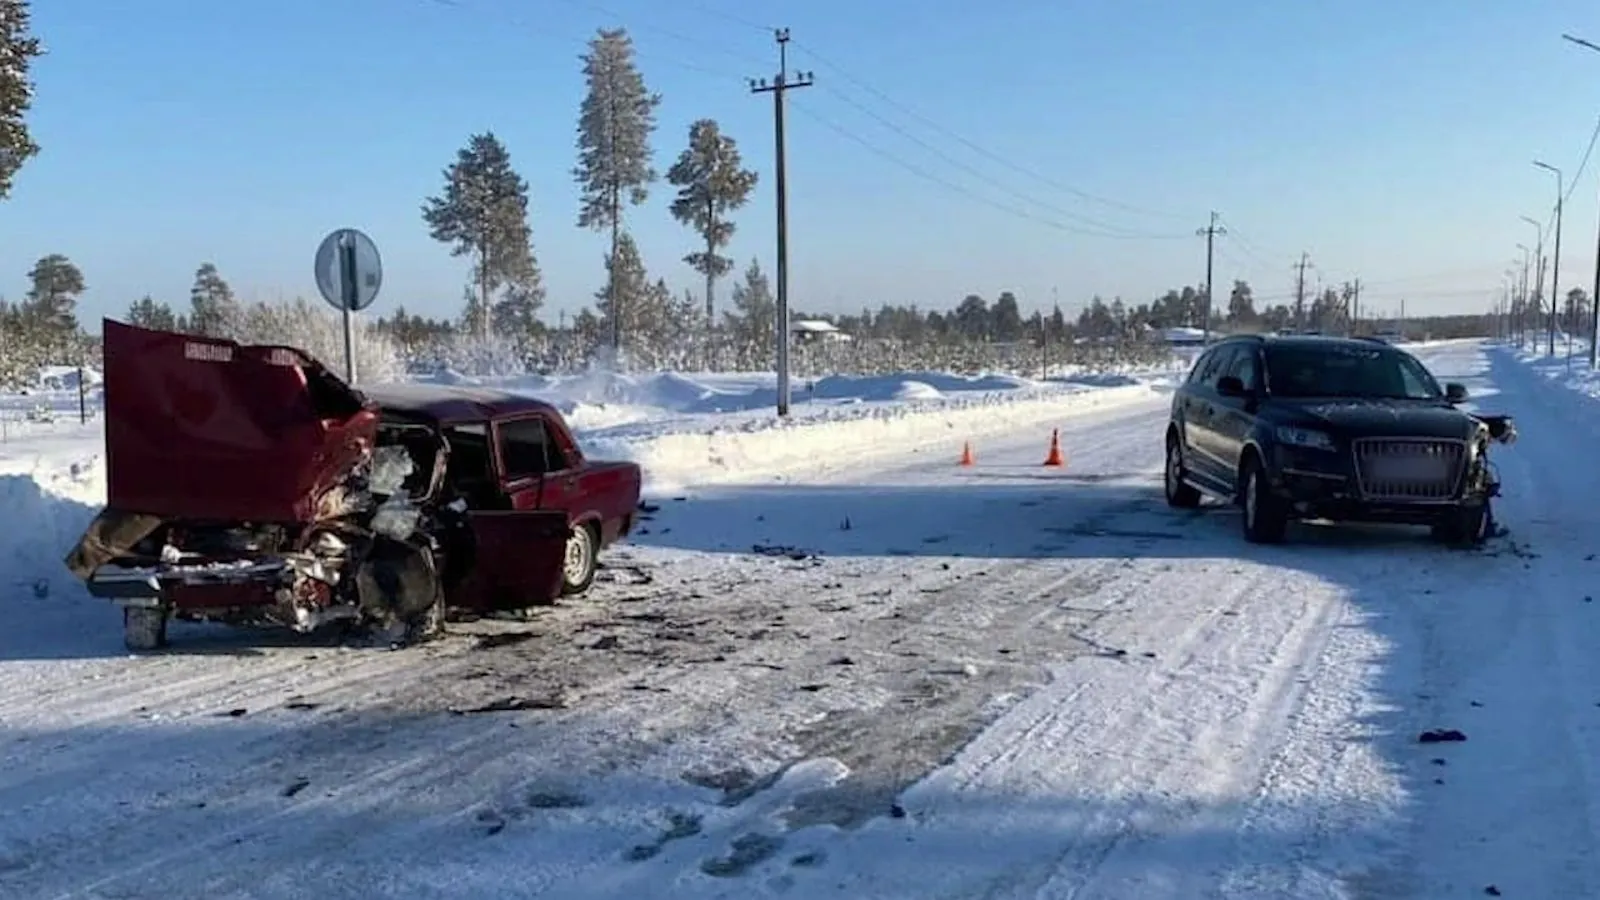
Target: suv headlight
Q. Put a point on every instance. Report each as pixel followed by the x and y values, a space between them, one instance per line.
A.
pixel 1304 437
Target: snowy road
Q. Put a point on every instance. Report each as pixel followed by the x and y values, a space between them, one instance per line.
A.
pixel 922 681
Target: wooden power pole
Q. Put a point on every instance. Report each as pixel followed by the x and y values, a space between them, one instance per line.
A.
pixel 1210 233
pixel 779 86
pixel 1300 292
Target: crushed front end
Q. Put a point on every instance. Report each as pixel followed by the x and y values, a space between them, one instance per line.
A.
pixel 249 485
pixel 371 558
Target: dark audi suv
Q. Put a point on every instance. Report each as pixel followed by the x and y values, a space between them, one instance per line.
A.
pixel 1345 429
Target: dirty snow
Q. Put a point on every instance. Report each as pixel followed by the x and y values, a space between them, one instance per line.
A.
pixel 877 674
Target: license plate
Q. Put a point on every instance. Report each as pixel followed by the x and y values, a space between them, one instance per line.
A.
pixel 1410 469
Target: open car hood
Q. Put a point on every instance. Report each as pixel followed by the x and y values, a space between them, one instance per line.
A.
pixel 209 429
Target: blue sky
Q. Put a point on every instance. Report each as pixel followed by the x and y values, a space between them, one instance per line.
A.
pixel 1391 141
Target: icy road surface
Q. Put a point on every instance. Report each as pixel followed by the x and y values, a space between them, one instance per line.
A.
pixel 921 681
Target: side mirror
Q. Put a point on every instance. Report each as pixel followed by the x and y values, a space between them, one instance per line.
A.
pixel 1455 393
pixel 1231 386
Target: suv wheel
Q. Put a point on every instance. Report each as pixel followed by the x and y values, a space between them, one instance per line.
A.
pixel 1469 526
pixel 1179 494
pixel 1266 518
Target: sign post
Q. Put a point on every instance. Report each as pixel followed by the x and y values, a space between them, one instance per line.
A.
pixel 349 273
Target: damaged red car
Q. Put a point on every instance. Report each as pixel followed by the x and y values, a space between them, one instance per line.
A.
pixel 251 486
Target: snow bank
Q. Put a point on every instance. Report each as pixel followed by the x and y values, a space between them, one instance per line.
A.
pixel 767 448
pixel 1575 375
pixel 46 507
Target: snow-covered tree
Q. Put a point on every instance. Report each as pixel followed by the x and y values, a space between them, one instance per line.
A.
pixel 147 312
pixel 615 123
pixel 213 311
pixel 483 212
pixel 712 182
pixel 752 323
pixel 319 331
pixel 645 307
pixel 18 49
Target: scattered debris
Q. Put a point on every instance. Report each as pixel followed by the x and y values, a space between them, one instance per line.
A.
pixel 555 799
pixel 503 639
pixel 1441 736
pixel 516 704
pixel 792 553
pixel 296 786
pixel 232 713
pixel 746 851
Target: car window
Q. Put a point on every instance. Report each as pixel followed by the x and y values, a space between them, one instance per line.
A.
pixel 469 471
pixel 1198 369
pixel 527 449
pixel 1333 370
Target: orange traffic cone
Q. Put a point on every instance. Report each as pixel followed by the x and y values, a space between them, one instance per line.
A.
pixel 1055 457
pixel 967 458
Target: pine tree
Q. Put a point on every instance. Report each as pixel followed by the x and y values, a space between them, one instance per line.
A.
pixel 615 123
pixel 712 182
pixel 18 48
pixel 213 311
pixel 643 309
pixel 50 311
pixel 147 312
pixel 752 325
pixel 483 211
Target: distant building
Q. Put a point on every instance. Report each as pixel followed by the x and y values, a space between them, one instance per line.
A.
pixel 816 331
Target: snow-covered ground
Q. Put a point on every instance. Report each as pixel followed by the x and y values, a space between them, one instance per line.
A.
pixel 859 671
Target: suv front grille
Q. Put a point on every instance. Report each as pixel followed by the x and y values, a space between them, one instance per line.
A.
pixel 1408 469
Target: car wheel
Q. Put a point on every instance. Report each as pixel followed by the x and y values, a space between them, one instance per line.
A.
pixel 1179 494
pixel 578 568
pixel 1266 518
pixel 144 629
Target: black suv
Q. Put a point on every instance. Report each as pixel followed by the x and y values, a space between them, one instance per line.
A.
pixel 1345 429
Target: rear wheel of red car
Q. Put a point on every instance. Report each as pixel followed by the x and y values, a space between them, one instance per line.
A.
pixel 144 629
pixel 578 568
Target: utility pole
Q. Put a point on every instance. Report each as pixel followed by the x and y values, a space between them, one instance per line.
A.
pixel 1355 305
pixel 1300 292
pixel 1210 233
pixel 780 86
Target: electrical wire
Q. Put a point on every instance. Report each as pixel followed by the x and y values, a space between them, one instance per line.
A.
pixel 976 148
pixel 957 188
pixel 981 176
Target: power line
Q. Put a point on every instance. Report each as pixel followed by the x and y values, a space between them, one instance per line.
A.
pixel 980 150
pixel 976 173
pixel 960 189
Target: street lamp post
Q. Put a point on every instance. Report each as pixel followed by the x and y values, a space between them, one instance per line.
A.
pixel 1538 277
pixel 1594 298
pixel 1555 262
pixel 1522 314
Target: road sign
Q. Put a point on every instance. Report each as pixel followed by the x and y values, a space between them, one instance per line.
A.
pixel 349 270
pixel 349 273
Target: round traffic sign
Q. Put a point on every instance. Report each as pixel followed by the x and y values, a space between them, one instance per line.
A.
pixel 348 269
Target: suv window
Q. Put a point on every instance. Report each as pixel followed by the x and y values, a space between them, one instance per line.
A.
pixel 1245 368
pixel 1339 371
pixel 1214 365
pixel 527 450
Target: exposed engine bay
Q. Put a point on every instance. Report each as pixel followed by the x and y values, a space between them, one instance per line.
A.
pixel 383 550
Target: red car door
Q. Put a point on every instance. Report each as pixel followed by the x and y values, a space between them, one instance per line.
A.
pixel 518 559
pixel 538 473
